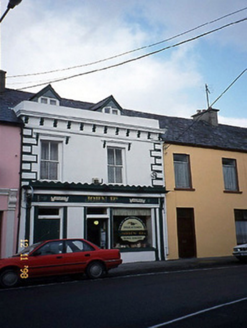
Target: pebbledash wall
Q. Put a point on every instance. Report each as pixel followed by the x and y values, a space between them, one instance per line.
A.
pixel 81 201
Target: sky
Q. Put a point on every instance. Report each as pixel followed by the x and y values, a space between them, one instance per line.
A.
pixel 57 35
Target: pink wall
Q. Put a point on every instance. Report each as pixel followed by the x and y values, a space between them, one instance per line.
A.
pixel 10 155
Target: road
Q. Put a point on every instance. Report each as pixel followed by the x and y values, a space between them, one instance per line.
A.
pixel 212 297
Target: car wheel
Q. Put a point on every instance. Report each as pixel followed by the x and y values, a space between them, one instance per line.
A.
pixel 95 270
pixel 9 278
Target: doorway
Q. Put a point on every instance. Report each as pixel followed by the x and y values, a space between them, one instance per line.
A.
pixel 186 233
pixel 47 223
pixel 97 232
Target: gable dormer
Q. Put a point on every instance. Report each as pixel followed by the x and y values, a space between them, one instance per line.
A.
pixel 47 96
pixel 108 106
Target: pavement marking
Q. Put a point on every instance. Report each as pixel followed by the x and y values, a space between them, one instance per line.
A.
pixel 198 312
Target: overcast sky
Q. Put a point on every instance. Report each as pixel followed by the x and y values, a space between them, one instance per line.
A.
pixel 43 35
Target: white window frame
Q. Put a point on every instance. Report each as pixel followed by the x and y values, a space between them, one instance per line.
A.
pixel 59 166
pixel 182 172
pixel 48 101
pixel 112 110
pixel 230 174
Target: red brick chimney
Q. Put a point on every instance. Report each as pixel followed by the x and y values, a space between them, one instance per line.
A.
pixel 2 80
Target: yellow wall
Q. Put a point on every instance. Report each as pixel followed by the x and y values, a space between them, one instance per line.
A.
pixel 213 208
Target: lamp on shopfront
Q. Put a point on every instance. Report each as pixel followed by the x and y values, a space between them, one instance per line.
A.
pixel 11 5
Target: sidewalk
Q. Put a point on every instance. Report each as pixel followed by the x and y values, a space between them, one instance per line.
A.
pixel 173 265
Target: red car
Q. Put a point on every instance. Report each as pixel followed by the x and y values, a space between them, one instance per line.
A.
pixel 58 257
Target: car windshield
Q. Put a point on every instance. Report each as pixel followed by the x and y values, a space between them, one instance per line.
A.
pixel 29 249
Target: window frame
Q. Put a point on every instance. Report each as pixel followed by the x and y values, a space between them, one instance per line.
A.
pixel 48 101
pixel 179 185
pixel 240 218
pixel 110 110
pixel 227 187
pixel 115 166
pixel 58 161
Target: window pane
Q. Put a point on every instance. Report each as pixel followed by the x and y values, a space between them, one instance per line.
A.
pixel 230 174
pixel 182 171
pixel 44 150
pixel 110 156
pixel 111 174
pixel 54 151
pixel 43 100
pixel 118 156
pixel 53 171
pixel 44 170
pixel 119 175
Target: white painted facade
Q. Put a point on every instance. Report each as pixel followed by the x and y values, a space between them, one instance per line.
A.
pixel 82 195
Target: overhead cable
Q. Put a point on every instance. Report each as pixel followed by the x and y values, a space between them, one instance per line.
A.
pixel 137 58
pixel 130 51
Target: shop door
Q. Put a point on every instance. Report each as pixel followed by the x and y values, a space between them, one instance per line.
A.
pixel 186 232
pixel 97 232
pixel 46 229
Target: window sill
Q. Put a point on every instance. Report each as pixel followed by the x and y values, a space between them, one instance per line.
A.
pixel 232 192
pixel 184 189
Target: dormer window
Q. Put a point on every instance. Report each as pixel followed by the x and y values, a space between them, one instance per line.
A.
pixel 111 110
pixel 48 101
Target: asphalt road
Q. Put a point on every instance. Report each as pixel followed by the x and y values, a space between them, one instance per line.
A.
pixel 209 297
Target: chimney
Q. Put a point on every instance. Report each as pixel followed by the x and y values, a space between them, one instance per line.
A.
pixel 2 80
pixel 208 115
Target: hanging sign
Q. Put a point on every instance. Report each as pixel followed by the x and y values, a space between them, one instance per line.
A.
pixel 132 229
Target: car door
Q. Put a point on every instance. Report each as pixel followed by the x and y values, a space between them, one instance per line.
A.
pixel 47 260
pixel 77 254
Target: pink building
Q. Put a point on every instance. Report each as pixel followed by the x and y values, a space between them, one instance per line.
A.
pixel 10 156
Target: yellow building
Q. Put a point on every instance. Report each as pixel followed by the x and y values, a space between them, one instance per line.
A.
pixel 205 167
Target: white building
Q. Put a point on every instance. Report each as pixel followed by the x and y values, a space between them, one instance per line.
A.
pixel 89 171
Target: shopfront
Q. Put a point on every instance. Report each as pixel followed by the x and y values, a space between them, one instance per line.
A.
pixel 129 218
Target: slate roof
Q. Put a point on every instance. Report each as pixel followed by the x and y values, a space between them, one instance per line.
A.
pixel 198 133
pixel 179 130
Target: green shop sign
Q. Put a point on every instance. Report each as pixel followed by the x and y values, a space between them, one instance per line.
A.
pixel 94 199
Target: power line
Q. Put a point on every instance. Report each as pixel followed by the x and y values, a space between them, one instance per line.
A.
pixel 204 112
pixel 227 88
pixel 130 51
pixel 137 58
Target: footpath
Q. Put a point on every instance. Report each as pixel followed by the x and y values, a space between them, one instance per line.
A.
pixel 174 265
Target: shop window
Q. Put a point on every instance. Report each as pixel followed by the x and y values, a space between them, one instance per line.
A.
pixel 115 165
pixel 241 226
pixel 182 171
pixel 96 210
pixel 49 160
pixel 230 174
pixel 132 229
